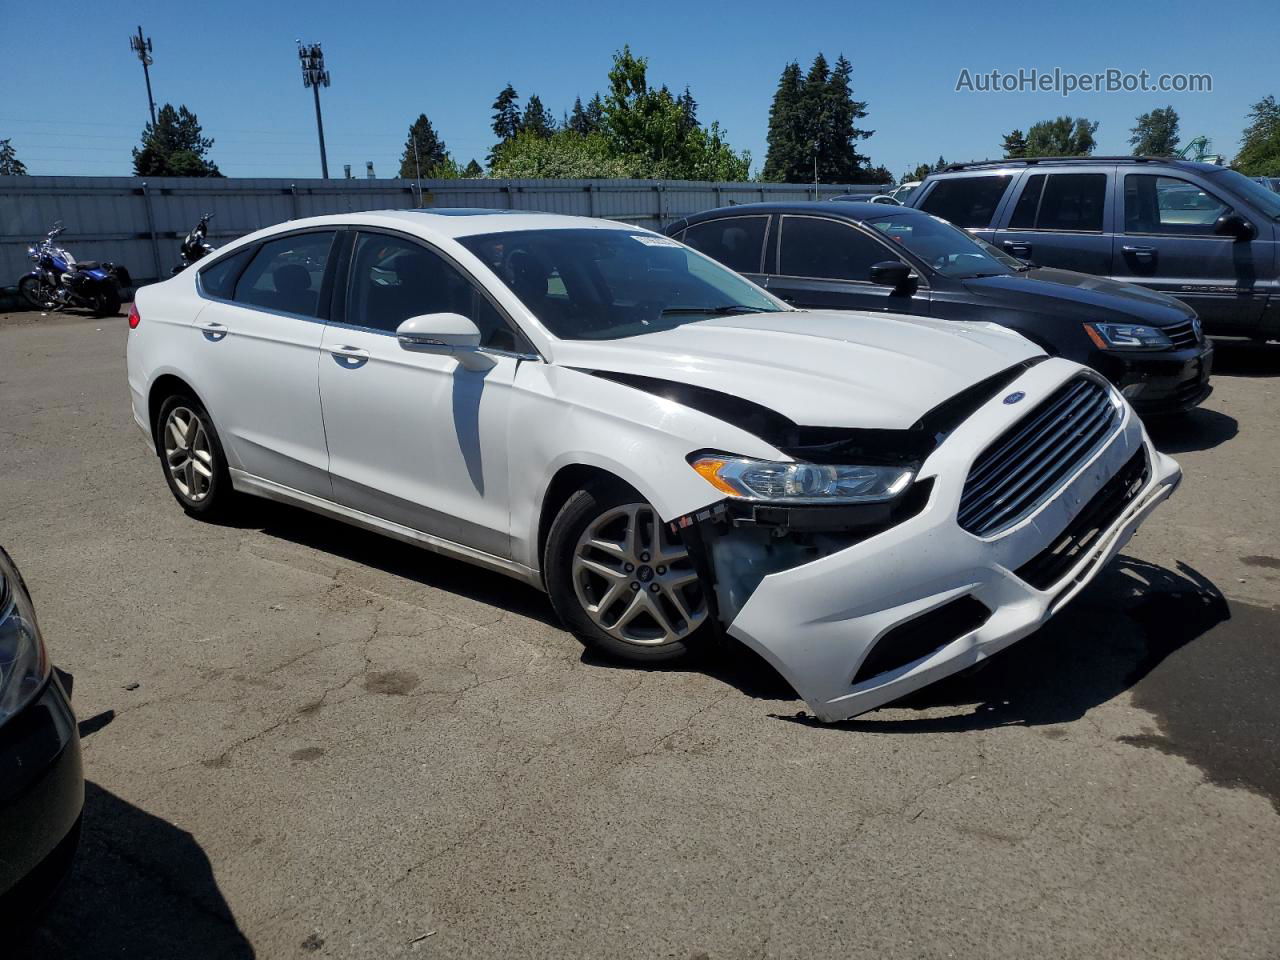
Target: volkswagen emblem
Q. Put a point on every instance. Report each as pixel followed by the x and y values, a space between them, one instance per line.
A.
pixel 1014 397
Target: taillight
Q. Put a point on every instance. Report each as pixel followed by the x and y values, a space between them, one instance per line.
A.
pixel 135 318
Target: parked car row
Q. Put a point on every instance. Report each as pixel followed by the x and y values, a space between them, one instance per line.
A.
pixel 1205 234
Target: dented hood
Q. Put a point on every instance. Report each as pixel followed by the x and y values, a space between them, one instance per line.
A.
pixel 817 368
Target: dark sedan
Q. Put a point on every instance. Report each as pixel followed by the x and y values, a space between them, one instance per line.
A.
pixel 41 783
pixel 863 256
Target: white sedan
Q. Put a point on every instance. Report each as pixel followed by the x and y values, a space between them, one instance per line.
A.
pixel 869 501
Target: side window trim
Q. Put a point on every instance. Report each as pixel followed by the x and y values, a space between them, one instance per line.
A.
pixel 257 248
pixel 1122 181
pixel 531 353
pixel 890 253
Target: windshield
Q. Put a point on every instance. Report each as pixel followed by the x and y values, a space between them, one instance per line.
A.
pixel 1251 191
pixel 945 248
pixel 603 284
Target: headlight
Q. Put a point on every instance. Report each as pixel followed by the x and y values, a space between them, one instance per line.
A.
pixel 1127 336
pixel 24 668
pixel 801 482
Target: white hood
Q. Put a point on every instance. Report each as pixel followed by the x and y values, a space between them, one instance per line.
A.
pixel 819 369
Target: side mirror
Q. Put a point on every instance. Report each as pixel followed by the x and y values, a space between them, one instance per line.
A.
pixel 449 334
pixel 891 273
pixel 1234 225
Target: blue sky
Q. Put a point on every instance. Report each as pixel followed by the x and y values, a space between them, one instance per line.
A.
pixel 74 101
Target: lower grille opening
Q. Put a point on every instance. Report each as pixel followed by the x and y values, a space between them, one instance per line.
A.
pixel 1051 564
pixel 922 635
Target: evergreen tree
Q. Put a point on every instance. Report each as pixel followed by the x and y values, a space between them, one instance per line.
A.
pixel 688 110
pixel 506 118
pixel 537 119
pixel 1014 145
pixel 839 152
pixel 787 151
pixel 174 146
pixel 431 152
pixel 1156 133
pixel 473 170
pixel 1259 154
pixel 594 113
pixel 10 165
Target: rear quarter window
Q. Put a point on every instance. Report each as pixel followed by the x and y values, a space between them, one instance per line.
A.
pixel 966 201
pixel 219 279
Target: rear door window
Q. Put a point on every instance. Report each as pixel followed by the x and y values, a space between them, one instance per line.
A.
pixel 966 201
pixel 1154 204
pixel 1061 201
pixel 828 249
pixel 286 274
pixel 737 242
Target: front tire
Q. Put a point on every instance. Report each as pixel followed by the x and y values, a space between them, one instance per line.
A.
pixel 191 453
pixel 621 581
pixel 32 291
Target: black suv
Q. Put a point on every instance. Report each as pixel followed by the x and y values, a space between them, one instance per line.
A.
pixel 1199 232
pixel 872 256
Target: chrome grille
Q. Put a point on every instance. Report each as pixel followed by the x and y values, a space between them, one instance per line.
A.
pixel 1032 460
pixel 1182 334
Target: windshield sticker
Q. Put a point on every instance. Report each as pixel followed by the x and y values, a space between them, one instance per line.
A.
pixel 650 241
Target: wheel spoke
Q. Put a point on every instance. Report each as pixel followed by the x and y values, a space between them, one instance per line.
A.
pixel 611 547
pixel 602 569
pixel 178 432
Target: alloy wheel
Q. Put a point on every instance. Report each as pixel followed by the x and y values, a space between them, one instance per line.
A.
pixel 635 579
pixel 188 453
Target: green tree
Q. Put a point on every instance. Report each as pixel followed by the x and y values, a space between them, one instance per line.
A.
pixel 688 110
pixel 1156 133
pixel 537 119
pixel 649 127
pixel 174 146
pixel 1259 154
pixel 813 123
pixel 1014 145
pixel 506 118
pixel 10 165
pixel 787 153
pixel 1062 137
pixel 923 170
pixel 473 170
pixel 430 153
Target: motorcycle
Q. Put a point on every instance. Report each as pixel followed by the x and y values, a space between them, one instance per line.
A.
pixel 196 246
pixel 59 280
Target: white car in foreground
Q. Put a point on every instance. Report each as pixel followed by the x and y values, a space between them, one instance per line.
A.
pixel 869 501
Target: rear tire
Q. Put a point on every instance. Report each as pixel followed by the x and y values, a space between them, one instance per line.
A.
pixel 195 468
pixel 107 304
pixel 621 581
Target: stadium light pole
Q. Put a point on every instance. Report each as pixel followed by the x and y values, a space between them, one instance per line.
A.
pixel 315 76
pixel 141 46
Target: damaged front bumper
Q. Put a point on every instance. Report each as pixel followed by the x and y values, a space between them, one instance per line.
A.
pixel 858 617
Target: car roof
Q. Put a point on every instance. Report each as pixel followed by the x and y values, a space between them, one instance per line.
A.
pixel 848 209
pixel 455 222
pixel 1101 161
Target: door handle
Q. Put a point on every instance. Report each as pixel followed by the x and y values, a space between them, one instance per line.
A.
pixel 1141 253
pixel 350 356
pixel 213 332
pixel 1017 248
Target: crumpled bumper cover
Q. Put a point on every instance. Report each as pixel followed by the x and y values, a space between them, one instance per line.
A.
pixel 817 622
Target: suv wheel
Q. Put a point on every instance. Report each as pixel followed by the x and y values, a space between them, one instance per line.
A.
pixel 620 580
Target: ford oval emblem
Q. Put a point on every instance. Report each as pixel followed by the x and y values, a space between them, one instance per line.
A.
pixel 1014 397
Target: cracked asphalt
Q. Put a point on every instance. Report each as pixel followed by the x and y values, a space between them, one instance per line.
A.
pixel 303 740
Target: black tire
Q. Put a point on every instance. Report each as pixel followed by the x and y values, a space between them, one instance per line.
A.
pixel 107 304
pixel 211 498
pixel 580 512
pixel 32 292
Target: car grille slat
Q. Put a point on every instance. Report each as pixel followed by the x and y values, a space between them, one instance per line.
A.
pixel 1029 461
pixel 1032 460
pixel 1182 335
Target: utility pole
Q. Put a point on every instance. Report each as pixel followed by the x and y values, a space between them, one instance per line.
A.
pixel 315 76
pixel 141 46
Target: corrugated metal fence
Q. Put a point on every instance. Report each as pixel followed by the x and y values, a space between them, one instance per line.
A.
pixel 140 223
